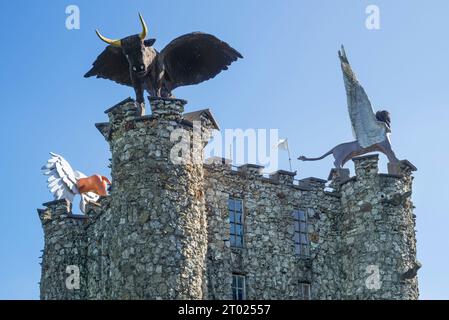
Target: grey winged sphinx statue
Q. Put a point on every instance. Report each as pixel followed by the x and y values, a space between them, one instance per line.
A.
pixel 371 130
pixel 187 60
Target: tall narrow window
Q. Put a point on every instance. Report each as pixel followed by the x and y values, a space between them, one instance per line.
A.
pixel 238 287
pixel 305 290
pixel 235 208
pixel 301 236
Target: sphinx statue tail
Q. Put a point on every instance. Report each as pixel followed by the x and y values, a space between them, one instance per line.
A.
pixel 303 158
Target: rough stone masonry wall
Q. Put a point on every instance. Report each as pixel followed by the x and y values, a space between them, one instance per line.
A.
pixel 99 233
pixel 159 242
pixel 65 247
pixel 326 268
pixel 268 259
pixel 377 246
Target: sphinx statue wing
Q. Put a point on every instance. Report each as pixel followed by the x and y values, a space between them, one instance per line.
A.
pixel 194 58
pixel 62 179
pixel 366 128
pixel 111 64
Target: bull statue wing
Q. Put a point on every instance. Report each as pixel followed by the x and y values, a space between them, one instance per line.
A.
pixel 194 58
pixel 62 181
pixel 366 128
pixel 111 64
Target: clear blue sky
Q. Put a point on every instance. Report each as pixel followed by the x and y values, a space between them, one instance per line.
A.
pixel 290 79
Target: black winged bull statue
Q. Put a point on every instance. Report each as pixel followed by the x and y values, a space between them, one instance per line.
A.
pixel 372 130
pixel 187 60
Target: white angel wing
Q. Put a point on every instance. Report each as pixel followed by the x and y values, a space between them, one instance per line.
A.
pixel 62 178
pixel 367 129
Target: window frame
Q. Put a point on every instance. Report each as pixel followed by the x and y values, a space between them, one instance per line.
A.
pixel 302 248
pixel 235 289
pixel 233 223
pixel 303 286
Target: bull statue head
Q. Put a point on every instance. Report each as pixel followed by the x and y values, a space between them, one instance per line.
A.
pixel 133 47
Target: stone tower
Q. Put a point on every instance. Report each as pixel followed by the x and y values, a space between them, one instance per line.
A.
pixel 376 230
pixel 64 252
pixel 157 207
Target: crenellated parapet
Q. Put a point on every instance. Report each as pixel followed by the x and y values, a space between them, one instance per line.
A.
pixel 256 172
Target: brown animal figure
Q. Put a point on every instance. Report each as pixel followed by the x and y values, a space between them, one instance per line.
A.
pixel 96 184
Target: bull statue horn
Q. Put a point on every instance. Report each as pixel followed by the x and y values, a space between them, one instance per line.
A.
pixel 115 43
pixel 144 32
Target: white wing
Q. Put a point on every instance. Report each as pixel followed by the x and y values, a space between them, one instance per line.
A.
pixel 62 179
pixel 367 129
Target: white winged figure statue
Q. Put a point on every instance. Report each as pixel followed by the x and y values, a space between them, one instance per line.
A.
pixel 372 130
pixel 65 183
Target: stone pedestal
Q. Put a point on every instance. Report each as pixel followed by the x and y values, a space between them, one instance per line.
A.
pixel 403 167
pixel 338 176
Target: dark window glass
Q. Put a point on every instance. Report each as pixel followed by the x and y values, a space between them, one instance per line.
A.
pixel 238 287
pixel 305 291
pixel 238 217
pixel 231 204
pixel 235 208
pixel 301 237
